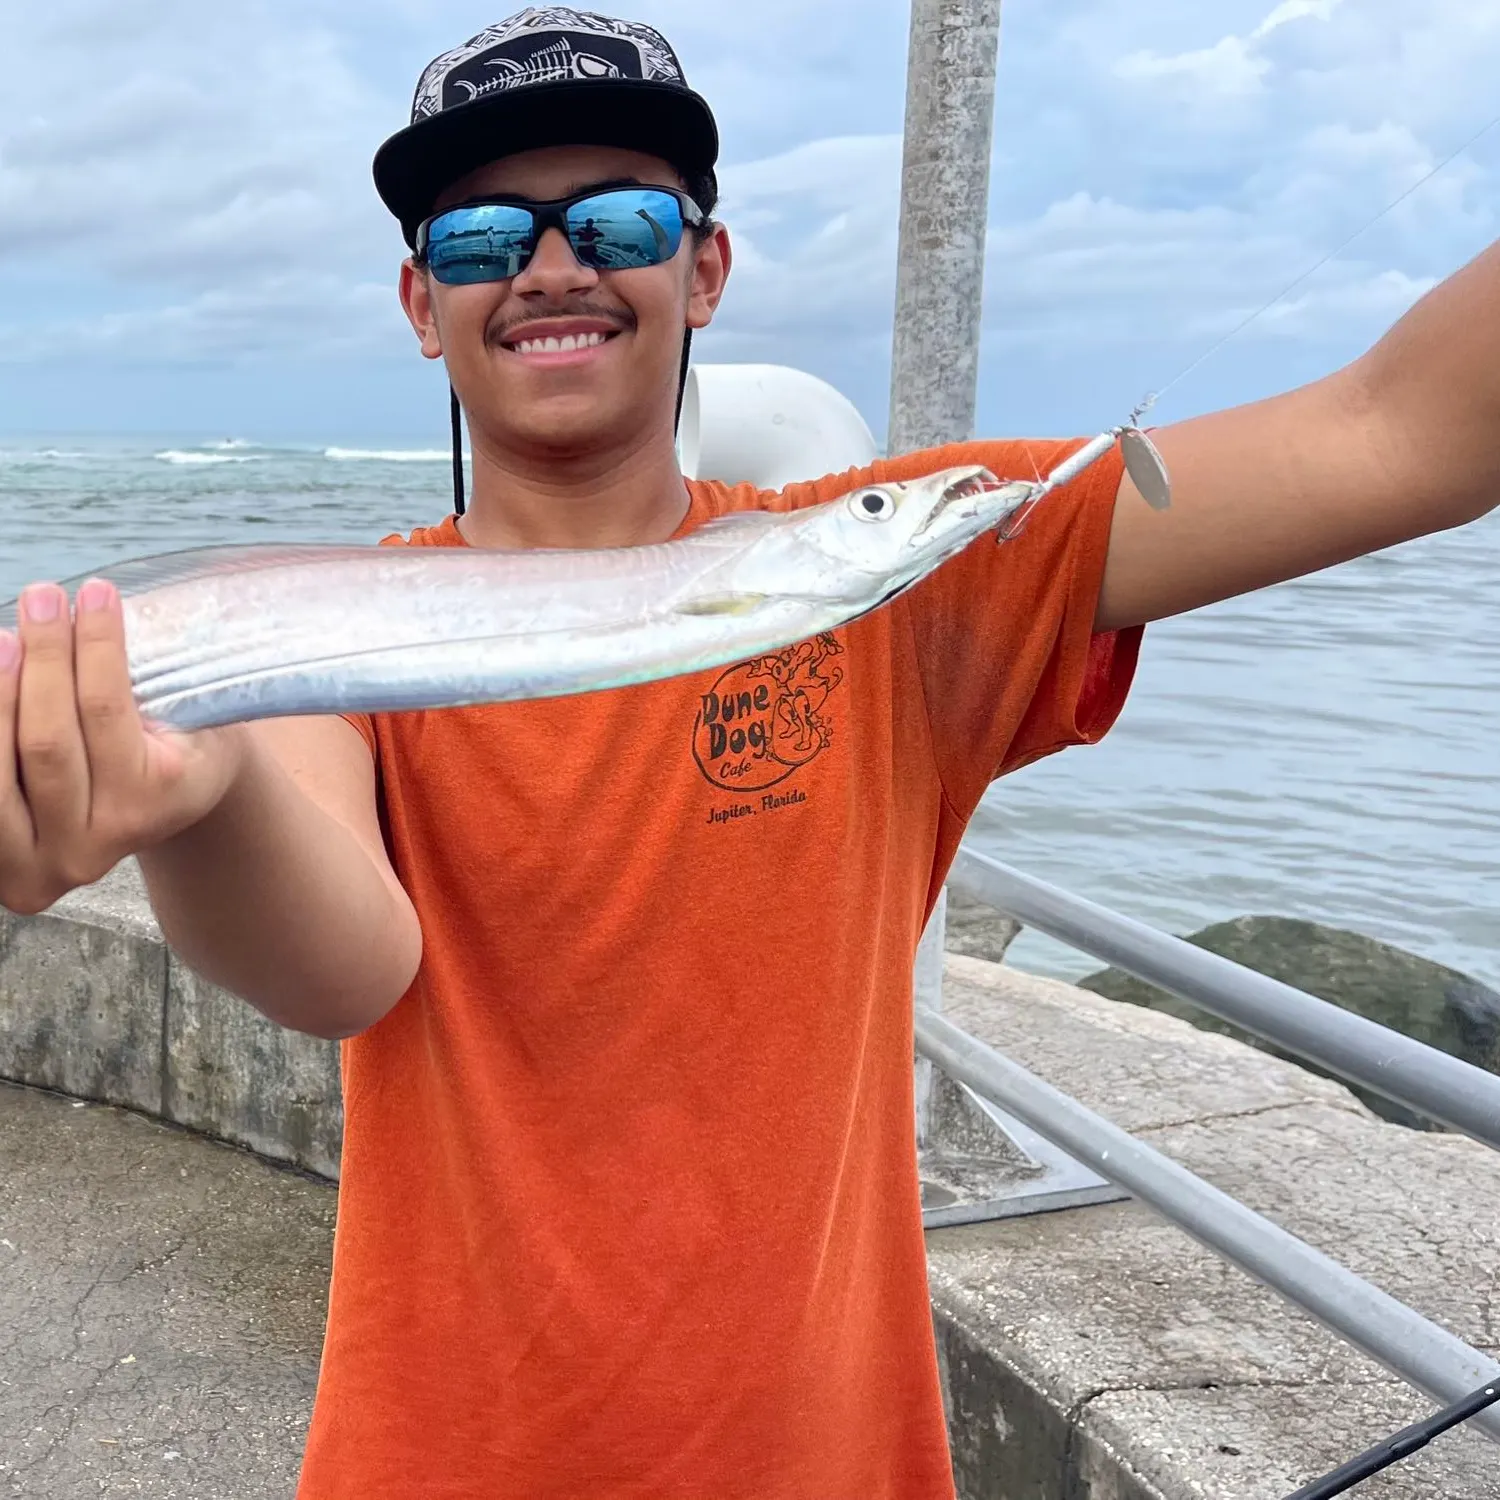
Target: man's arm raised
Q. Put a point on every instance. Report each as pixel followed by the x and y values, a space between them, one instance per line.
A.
pixel 1401 443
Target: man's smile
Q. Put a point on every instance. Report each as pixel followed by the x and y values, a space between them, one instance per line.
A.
pixel 560 341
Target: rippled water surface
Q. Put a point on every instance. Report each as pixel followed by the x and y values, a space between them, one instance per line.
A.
pixel 1325 749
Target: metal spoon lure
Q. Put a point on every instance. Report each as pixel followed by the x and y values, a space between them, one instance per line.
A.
pixel 1143 462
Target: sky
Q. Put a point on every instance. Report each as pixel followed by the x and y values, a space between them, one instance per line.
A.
pixel 190 241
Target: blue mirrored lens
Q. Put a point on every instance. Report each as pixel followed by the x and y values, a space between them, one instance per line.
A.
pixel 488 242
pixel 625 228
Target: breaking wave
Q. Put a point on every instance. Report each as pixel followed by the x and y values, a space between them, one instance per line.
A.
pixel 41 455
pixel 180 456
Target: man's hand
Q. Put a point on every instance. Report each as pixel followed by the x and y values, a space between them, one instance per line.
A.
pixel 83 781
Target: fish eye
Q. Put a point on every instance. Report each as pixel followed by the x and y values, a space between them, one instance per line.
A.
pixel 873 505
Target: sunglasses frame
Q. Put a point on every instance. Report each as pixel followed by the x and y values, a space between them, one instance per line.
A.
pixel 552 213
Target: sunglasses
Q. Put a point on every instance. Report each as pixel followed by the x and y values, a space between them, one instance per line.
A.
pixel 613 229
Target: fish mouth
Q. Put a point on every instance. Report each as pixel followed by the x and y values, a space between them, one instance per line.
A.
pixel 961 501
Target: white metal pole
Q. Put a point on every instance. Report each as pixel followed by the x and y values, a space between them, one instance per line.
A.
pixel 927 991
pixel 945 181
pixel 945 185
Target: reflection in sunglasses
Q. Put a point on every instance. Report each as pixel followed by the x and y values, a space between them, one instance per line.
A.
pixel 496 241
pixel 663 239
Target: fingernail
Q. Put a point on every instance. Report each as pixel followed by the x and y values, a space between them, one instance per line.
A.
pixel 10 650
pixel 94 595
pixel 42 603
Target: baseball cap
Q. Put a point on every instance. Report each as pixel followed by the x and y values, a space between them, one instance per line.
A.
pixel 547 76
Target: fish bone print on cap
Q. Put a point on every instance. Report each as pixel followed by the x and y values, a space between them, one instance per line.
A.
pixel 551 44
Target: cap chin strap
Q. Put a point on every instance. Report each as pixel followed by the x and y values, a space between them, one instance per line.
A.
pixel 687 354
pixel 458 422
pixel 458 453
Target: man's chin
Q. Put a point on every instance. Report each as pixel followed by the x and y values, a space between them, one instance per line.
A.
pixel 568 426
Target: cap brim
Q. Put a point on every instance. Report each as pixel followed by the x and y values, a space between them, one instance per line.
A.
pixel 418 163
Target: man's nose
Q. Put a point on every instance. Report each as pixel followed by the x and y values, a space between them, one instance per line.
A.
pixel 554 269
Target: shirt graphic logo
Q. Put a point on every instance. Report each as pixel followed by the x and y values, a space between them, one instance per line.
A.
pixel 766 718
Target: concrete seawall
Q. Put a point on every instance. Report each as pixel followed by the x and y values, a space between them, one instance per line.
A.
pixel 1142 1365
pixel 167 1292
pixel 93 1004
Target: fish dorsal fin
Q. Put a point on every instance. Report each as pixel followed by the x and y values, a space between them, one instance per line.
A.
pixel 142 574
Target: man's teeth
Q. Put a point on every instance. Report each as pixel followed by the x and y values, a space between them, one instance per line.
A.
pixel 561 346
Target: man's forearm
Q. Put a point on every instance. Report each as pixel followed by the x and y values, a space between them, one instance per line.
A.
pixel 1401 443
pixel 1433 382
pixel 278 902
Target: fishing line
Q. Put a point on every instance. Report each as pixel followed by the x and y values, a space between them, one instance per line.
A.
pixel 1402 1446
pixel 1313 270
pixel 1411 1439
pixel 1142 460
pixel 1153 478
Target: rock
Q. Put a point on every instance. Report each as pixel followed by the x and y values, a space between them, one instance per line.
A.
pixel 1440 1006
pixel 977 930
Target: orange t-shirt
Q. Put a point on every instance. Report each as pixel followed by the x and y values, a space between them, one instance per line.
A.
pixel 629 1201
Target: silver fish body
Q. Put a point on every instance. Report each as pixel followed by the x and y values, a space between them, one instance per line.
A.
pixel 228 634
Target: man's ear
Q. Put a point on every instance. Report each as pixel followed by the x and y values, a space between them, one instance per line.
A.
pixel 417 301
pixel 711 264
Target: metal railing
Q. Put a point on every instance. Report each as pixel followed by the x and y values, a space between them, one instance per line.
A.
pixel 1418 1350
pixel 1441 1087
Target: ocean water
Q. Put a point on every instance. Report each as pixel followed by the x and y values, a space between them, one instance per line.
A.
pixel 1325 749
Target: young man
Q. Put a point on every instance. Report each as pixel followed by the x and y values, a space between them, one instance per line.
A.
pixel 629 1201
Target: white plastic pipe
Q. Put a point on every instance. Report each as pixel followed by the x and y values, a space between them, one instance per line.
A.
pixel 768 425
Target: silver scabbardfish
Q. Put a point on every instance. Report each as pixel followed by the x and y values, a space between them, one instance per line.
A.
pixel 226 634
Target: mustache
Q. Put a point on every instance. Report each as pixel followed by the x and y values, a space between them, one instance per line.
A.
pixel 504 327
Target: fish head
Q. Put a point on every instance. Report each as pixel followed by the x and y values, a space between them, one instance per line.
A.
pixel 855 553
pixel 902 531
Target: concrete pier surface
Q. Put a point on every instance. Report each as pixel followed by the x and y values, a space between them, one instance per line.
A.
pixel 1140 1365
pixel 161 1308
pixel 162 1294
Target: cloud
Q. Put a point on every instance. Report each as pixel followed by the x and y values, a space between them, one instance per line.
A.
pixel 200 190
pixel 1233 67
pixel 815 233
pixel 1361 293
pixel 268 316
pixel 191 147
pixel 1295 10
pixel 1228 68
